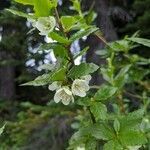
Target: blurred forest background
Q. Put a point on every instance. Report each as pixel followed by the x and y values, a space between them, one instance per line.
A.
pixel 33 120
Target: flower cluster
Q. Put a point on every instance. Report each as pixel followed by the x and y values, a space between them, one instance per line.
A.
pixel 65 94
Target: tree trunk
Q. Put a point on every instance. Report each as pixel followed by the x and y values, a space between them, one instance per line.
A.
pixel 106 26
pixel 7 77
pixel 7 72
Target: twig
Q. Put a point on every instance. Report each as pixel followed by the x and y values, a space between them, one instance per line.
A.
pixel 133 95
pixel 92 116
pixel 120 103
pixel 58 20
pixel 62 30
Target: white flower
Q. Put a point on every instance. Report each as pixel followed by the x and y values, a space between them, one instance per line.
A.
pixel 54 86
pixel 45 25
pixel 65 95
pixel 80 87
pixel 87 78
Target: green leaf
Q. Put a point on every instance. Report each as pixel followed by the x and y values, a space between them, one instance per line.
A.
pixel 42 8
pixel 90 144
pixel 105 92
pixel 120 46
pixel 59 75
pixel 82 52
pixel 90 16
pixel 2 129
pixel 48 67
pixel 79 138
pixel 77 6
pixel 99 111
pixel 107 74
pixel 116 125
pixel 68 22
pixel 60 51
pixel 121 81
pixel 53 3
pixel 21 14
pixel 124 70
pixel 122 77
pixel 25 2
pixel 132 138
pixel 82 70
pixel 59 38
pixel 84 101
pixel 39 81
pixel 131 121
pixel 113 145
pixel 102 131
pixel 145 125
pixel 137 74
pixel 83 33
pixel 145 42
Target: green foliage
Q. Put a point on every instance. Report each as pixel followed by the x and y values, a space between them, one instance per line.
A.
pixel 68 22
pixel 41 7
pixel 116 125
pixel 21 14
pixel 141 41
pixel 113 145
pixel 59 75
pixel 105 92
pixel 59 38
pixel 25 2
pixel 40 80
pixel 106 119
pixel 99 111
pixel 2 129
pixel 82 70
pixel 35 121
pixel 82 33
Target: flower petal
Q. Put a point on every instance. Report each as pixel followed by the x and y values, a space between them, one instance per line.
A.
pixel 57 96
pixel 87 78
pixel 79 87
pixel 67 90
pixel 79 93
pixel 86 86
pixel 66 101
pixel 54 86
pixel 45 25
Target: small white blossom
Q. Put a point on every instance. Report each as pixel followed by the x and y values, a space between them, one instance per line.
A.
pixel 80 87
pixel 54 86
pixel 87 78
pixel 65 95
pixel 45 25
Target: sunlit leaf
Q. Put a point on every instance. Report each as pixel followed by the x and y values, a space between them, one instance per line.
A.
pixel 82 70
pixel 145 42
pixel 105 92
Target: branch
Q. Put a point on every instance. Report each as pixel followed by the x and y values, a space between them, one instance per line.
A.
pixel 62 30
